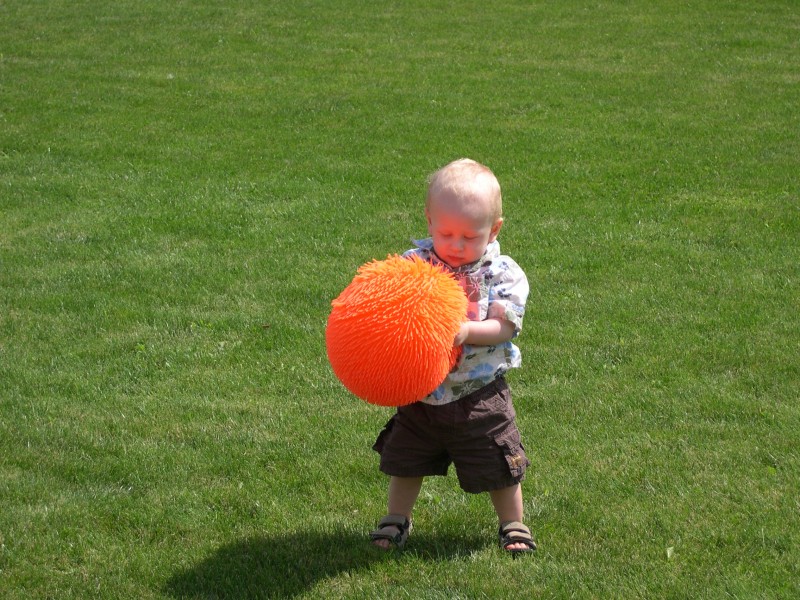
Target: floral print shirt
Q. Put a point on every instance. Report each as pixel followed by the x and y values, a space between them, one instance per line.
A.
pixel 496 288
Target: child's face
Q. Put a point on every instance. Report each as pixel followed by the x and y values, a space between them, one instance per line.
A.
pixel 460 232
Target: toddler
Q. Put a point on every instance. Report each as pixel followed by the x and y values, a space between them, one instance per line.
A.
pixel 469 419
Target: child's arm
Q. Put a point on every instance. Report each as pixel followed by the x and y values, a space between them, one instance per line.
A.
pixel 485 333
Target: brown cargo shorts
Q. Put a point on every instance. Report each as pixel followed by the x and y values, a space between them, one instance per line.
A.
pixel 477 433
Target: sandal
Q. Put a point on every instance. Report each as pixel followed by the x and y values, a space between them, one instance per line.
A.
pixel 514 532
pixel 387 527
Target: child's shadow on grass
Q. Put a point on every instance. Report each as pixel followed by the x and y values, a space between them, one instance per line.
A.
pixel 283 566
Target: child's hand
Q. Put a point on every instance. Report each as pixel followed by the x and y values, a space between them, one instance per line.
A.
pixel 462 335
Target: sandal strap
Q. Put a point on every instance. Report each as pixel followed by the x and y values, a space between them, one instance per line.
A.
pixel 515 527
pixel 386 530
pixel 514 532
pixel 399 521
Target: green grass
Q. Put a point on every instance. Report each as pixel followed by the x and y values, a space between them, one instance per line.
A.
pixel 184 187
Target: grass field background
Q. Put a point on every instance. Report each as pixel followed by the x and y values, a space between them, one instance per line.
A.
pixel 185 186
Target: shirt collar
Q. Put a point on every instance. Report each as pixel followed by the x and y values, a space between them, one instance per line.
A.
pixel 492 251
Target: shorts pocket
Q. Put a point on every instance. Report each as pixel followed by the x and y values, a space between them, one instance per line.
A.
pixel 382 436
pixel 514 453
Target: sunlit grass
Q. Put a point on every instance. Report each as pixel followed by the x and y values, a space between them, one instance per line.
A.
pixel 184 188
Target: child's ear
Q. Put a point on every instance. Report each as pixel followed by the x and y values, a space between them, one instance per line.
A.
pixel 495 229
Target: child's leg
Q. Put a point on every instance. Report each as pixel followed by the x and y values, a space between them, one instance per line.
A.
pixel 403 492
pixel 508 503
pixel 508 506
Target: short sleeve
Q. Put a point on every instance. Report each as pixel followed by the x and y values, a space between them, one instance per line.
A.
pixel 508 292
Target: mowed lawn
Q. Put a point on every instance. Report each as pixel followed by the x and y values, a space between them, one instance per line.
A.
pixel 185 186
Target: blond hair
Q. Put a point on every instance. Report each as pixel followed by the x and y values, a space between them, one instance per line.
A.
pixel 470 182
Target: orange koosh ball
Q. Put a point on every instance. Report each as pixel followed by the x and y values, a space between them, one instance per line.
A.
pixel 390 333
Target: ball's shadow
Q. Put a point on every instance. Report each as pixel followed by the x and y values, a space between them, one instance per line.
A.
pixel 284 566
